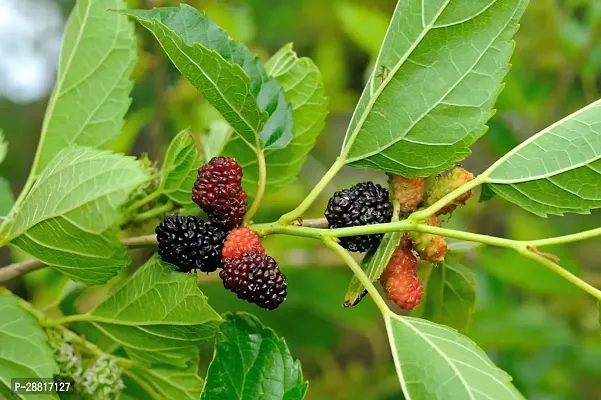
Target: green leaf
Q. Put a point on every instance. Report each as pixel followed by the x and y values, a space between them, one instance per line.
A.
pixel 558 170
pixel 433 86
pixel 450 295
pixel 3 147
pixel 173 383
pixel 159 315
pixel 303 85
pixel 68 218
pixel 372 23
pixel 92 89
pixel 229 76
pixel 6 198
pixel 436 362
pixel 373 264
pixel 24 350
pixel 247 356
pixel 179 169
pixel 216 139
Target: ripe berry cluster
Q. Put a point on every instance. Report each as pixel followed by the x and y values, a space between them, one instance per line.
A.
pixel 367 203
pixel 190 243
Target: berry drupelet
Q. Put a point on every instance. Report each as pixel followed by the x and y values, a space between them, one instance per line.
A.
pixel 399 279
pixel 240 241
pixel 255 278
pixel 365 203
pixel 218 192
pixel 190 243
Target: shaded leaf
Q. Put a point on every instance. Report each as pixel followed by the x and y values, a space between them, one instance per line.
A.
pixel 373 264
pixel 248 355
pixel 91 94
pixel 450 295
pixel 303 86
pixel 68 218
pixel 558 170
pixel 159 315
pixel 436 362
pixel 3 147
pixel 230 77
pixel 180 169
pixel 434 84
pixel 24 350
pixel 216 139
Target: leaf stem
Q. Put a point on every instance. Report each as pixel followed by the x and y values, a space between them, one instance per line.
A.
pixel 302 207
pixel 142 202
pixel 429 211
pixel 574 237
pixel 356 268
pixel 65 320
pixel 154 212
pixel 260 186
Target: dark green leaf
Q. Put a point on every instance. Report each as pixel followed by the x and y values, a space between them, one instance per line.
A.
pixel 373 264
pixel 68 218
pixel 302 83
pixel 247 357
pixel 179 169
pixel 434 84
pixel 486 193
pixel 450 295
pixel 24 350
pixel 92 89
pixel 159 315
pixel 230 77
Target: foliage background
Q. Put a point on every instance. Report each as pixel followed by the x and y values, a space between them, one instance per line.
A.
pixel 533 324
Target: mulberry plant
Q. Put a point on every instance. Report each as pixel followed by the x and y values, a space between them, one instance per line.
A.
pixel 118 321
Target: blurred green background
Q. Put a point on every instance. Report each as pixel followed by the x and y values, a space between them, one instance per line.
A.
pixel 533 324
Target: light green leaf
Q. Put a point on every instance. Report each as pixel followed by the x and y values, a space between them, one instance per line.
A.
pixel 558 170
pixel 24 350
pixel 159 315
pixel 91 94
pixel 6 198
pixel 450 295
pixel 303 85
pixel 229 76
pixel 3 147
pixel 216 139
pixel 436 362
pixel 460 246
pixel 68 218
pixel 372 23
pixel 173 383
pixel 179 169
pixel 248 355
pixel 434 84
pixel 373 264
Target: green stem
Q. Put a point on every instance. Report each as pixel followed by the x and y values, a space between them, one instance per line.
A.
pixel 562 272
pixel 574 237
pixel 154 212
pixel 356 268
pixel 66 320
pixel 302 207
pixel 152 196
pixel 143 384
pixel 428 212
pixel 260 186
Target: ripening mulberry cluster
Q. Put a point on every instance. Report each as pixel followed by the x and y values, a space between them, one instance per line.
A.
pixel 190 243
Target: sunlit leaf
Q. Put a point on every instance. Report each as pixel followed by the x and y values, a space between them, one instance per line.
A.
pixel 434 84
pixel 436 362
pixel 180 169
pixel 558 170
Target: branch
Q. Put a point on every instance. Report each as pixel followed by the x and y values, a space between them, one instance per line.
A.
pixel 12 271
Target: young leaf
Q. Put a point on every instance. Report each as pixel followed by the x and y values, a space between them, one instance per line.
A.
pixel 229 76
pixel 92 90
pixel 159 315
pixel 173 383
pixel 24 350
pixel 450 295
pixel 373 264
pixel 302 83
pixel 436 362
pixel 179 169
pixel 558 170
pixel 68 217
pixel 247 356
pixel 434 84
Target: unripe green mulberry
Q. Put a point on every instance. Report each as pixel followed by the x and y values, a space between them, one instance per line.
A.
pixel 430 247
pixel 102 380
pixel 444 184
pixel 69 362
pixel 408 192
